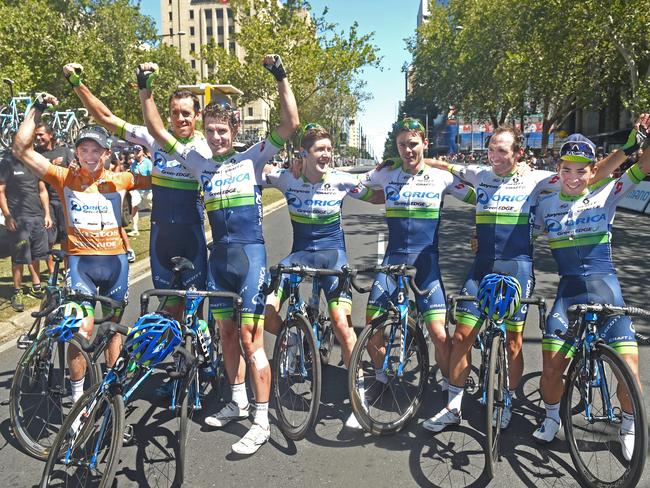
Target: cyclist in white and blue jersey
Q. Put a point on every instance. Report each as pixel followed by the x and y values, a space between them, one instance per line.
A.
pixel 314 201
pixel 414 195
pixel 177 211
pixel 578 221
pixel 231 184
pixel 505 200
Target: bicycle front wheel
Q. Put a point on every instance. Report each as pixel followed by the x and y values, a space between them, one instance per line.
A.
pixel 40 395
pixel 296 377
pixel 598 381
pixel 86 450
pixel 386 390
pixel 494 402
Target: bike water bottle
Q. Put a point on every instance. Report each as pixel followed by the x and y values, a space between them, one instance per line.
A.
pixel 205 343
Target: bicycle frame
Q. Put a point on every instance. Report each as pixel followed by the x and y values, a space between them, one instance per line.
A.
pixel 593 369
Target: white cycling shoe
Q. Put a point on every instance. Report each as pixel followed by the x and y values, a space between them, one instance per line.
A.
pixel 442 420
pixel 627 444
pixel 506 417
pixel 227 414
pixel 547 431
pixel 255 438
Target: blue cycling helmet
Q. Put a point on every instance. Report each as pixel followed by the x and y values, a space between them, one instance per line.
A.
pixel 152 339
pixel 66 321
pixel 499 296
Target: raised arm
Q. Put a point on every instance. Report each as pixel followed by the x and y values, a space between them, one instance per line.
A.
pixel 73 72
pixel 146 74
pixel 289 119
pixel 635 139
pixel 23 147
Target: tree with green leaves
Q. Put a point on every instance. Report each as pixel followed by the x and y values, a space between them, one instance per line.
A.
pixel 324 65
pixel 108 37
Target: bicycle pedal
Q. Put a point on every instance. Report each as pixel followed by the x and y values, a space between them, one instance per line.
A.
pixel 128 434
pixel 24 341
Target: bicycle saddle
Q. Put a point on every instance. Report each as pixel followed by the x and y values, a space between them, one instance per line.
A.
pixel 57 255
pixel 181 264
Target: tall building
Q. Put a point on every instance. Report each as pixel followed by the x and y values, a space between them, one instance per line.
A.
pixel 188 25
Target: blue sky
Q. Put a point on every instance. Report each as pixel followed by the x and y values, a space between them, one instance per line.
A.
pixel 391 21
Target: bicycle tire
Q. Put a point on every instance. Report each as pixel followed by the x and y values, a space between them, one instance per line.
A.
pixel 327 340
pixel 6 129
pixel 588 474
pixel 362 383
pixel 72 134
pixel 183 421
pixel 30 373
pixel 86 437
pixel 495 384
pixel 296 393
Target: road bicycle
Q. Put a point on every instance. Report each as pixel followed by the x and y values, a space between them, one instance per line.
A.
pixel 86 450
pixel 303 344
pixel 202 364
pixel 12 114
pixel 389 365
pixel 66 124
pixel 493 371
pixel 591 414
pixel 40 394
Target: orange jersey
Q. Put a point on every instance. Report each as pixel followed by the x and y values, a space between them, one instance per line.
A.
pixel 93 208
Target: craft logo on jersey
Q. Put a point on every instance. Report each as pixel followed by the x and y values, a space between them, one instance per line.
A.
pixel 77 206
pixel 293 200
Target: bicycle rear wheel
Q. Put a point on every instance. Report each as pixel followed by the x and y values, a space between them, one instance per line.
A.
pixel 384 407
pixel 592 431
pixel 40 395
pixel 494 402
pixel 296 377
pixel 86 450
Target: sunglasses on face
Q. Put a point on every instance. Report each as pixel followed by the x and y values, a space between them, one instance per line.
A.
pixel 409 123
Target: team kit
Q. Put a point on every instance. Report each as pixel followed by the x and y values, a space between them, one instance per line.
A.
pixel 198 172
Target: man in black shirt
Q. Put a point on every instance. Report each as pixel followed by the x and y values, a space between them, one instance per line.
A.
pixel 25 206
pixel 44 143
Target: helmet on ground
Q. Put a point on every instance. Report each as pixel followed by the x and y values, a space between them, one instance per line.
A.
pixel 66 320
pixel 152 339
pixel 499 296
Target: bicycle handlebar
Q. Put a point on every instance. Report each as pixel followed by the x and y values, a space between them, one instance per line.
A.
pixel 580 309
pixel 144 298
pixel 404 270
pixel 540 302
pixel 103 332
pixel 79 297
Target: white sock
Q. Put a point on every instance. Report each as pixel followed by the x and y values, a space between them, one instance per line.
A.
pixel 627 423
pixel 239 395
pixel 553 411
pixel 455 395
pixel 261 416
pixel 77 389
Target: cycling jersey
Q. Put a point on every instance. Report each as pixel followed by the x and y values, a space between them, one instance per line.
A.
pixel 175 191
pixel 93 208
pixel 231 186
pixel 315 209
pixel 579 227
pixel 504 209
pixel 413 203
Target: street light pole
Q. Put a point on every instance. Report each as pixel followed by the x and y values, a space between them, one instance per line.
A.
pixel 171 34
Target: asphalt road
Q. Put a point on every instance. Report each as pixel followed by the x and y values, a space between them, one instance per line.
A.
pixel 332 455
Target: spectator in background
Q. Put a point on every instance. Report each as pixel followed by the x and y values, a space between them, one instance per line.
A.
pixel 140 165
pixel 25 205
pixel 44 143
